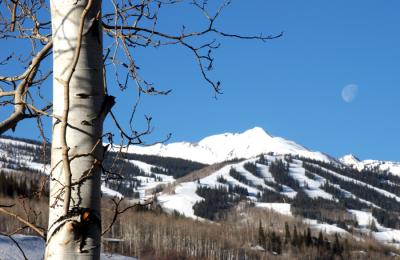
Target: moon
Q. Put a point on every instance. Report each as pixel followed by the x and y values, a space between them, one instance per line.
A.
pixel 349 93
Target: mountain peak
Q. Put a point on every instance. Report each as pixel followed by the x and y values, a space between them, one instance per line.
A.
pixel 257 132
pixel 352 161
pixel 228 146
pixel 349 159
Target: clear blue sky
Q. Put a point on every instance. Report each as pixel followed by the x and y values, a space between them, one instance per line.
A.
pixel 291 86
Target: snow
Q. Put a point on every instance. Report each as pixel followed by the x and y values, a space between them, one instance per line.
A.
pixel 110 193
pixel 348 194
pixel 223 147
pixel 185 196
pixel 109 256
pixel 311 187
pixel 281 208
pixel 384 235
pixel 13 142
pixel 33 248
pixel 212 181
pixel 249 176
pixel 288 192
pixel 327 228
pixel 364 219
pixel 353 161
pixel 348 179
pixel 143 166
pixel 264 171
pixel 182 201
pixel 390 237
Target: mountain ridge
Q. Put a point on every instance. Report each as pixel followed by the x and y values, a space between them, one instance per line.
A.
pixel 354 162
pixel 329 194
pixel 227 146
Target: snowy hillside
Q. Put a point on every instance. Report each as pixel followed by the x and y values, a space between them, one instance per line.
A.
pixel 25 161
pixel 223 147
pixel 353 161
pixel 330 197
pixel 348 196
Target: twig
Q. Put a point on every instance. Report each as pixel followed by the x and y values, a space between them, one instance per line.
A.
pixel 24 221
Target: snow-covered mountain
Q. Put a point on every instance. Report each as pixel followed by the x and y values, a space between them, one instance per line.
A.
pixel 223 147
pixel 288 178
pixel 27 161
pixel 352 161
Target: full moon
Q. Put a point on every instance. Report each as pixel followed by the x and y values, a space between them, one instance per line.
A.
pixel 349 92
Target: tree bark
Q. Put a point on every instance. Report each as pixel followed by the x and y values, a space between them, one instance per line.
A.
pixel 75 219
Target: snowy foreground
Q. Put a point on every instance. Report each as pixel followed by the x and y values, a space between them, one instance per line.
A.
pixel 33 248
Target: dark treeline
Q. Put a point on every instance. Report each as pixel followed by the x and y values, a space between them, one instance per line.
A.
pixel 373 176
pixel 239 177
pixel 23 184
pixel 390 213
pixel 41 153
pixel 252 167
pixel 280 171
pixel 216 204
pixel 302 241
pixel 21 139
pixel 272 196
pixel 121 175
pixel 278 187
pixel 328 211
pixel 175 167
pixel 239 190
pixel 344 199
pixel 18 152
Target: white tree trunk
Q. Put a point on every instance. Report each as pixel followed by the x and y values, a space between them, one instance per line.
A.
pixel 76 235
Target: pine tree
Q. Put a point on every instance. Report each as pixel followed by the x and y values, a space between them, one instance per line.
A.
pixel 295 238
pixel 276 243
pixel 320 241
pixel 261 236
pixel 308 237
pixel 373 226
pixel 337 248
pixel 287 233
pixel 262 159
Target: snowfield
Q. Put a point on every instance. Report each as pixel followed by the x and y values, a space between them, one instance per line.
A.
pixel 312 187
pixel 353 161
pixel 228 146
pixel 348 179
pixel 364 219
pixel 281 208
pixel 390 237
pixel 327 228
pixel 182 201
pixel 384 235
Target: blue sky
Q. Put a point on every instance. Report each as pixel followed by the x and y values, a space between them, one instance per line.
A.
pixel 290 86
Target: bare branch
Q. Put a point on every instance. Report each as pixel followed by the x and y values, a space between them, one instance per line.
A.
pixel 38 230
pixel 21 90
